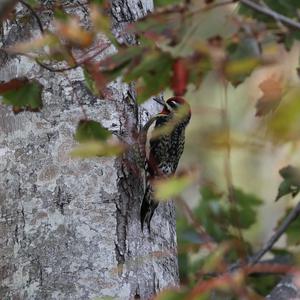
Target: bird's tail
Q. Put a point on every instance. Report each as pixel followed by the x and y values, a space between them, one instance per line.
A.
pixel 148 207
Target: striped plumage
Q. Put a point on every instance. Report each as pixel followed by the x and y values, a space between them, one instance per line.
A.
pixel 166 147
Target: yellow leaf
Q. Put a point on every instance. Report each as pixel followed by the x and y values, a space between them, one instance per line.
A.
pixel 74 33
pixel 97 148
pixel 167 188
pixel 284 124
pixel 100 21
pixel 36 44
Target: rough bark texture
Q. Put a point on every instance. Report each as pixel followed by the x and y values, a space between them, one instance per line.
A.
pixel 69 229
pixel 287 289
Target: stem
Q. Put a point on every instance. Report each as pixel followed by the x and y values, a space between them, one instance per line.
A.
pixel 269 12
pixel 277 234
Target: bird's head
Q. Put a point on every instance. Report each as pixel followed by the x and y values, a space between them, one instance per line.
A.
pixel 177 105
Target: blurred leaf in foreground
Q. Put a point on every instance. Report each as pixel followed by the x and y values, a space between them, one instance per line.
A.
pixel 171 295
pixel 97 148
pixel 217 214
pixel 172 186
pixel 22 94
pixel 88 130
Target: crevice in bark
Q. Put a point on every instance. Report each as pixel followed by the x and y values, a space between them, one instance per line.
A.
pixel 61 199
pixel 137 293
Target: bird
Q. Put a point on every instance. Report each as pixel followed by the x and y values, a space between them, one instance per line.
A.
pixel 166 147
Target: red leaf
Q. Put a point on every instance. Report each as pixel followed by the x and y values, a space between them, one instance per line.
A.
pixel 180 77
pixel 14 84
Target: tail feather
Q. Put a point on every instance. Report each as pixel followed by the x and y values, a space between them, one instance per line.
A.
pixel 148 207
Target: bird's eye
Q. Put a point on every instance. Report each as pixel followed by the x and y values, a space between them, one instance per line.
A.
pixel 173 104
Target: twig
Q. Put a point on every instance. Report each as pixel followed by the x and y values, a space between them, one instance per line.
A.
pixel 278 233
pixel 34 14
pixel 269 12
pixel 76 65
pixel 204 286
pixel 51 69
pixel 252 260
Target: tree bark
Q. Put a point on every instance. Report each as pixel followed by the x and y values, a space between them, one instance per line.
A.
pixel 287 289
pixel 70 229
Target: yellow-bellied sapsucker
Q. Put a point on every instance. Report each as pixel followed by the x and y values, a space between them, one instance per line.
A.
pixel 166 147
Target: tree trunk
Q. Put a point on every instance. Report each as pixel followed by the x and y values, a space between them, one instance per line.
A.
pixel 70 229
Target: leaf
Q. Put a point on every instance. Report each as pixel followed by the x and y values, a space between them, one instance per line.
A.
pixel 291 182
pixel 89 130
pixel 284 189
pixel 47 39
pixel 100 19
pixel 167 188
pixel 212 214
pixel 179 77
pixel 97 148
pixel 22 94
pixel 284 123
pixel 72 32
pixel 153 74
pixel 90 83
pixel 263 284
pixel 291 173
pixel 243 213
pixel 217 214
pixel 243 56
pixel 171 295
pixel 165 2
pixel 272 89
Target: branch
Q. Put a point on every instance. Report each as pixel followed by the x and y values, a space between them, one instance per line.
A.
pixel 270 243
pixel 269 12
pixel 278 233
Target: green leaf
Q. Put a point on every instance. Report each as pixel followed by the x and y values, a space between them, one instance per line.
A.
pixel 217 214
pixel 263 284
pixel 33 3
pixel 90 83
pixel 171 295
pixel 212 214
pixel 291 182
pixel 291 173
pixel 98 2
pixel 89 149
pixel 22 93
pixel 284 189
pixel 153 74
pixel 89 130
pixel 165 2
pixel 242 214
